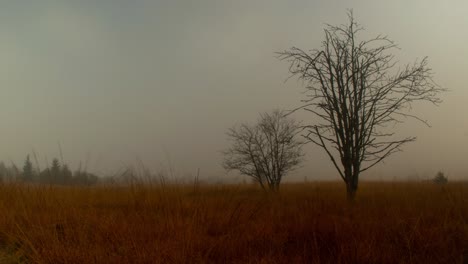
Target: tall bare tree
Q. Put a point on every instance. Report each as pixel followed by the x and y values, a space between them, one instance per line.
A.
pixel 265 151
pixel 357 92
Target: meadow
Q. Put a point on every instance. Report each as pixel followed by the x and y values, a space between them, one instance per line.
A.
pixel 392 222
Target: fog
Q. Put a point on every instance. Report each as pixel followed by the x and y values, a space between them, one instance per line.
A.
pixel 119 82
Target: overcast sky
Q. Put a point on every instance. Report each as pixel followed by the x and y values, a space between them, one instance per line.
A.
pixel 115 81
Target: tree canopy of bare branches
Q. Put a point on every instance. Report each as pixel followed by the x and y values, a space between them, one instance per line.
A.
pixel 357 91
pixel 265 151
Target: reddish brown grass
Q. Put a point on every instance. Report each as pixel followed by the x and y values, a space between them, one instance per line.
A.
pixel 305 223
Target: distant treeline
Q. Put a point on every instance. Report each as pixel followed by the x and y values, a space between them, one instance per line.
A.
pixel 59 173
pixel 56 173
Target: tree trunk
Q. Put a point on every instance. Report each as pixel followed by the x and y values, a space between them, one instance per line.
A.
pixel 351 191
pixel 350 180
pixel 352 186
pixel 274 187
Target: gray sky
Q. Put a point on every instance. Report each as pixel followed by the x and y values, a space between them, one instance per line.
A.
pixel 115 80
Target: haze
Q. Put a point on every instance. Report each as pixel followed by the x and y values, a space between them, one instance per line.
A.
pixel 161 81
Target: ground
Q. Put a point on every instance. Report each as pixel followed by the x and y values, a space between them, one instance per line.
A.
pixel 391 222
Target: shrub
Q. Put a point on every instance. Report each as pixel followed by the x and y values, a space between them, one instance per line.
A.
pixel 440 178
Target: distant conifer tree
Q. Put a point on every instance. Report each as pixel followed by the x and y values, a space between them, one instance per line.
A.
pixel 66 175
pixel 28 171
pixel 55 171
pixel 440 178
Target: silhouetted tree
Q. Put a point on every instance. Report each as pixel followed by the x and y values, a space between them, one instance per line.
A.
pixel 9 174
pixel 440 178
pixel 84 178
pixel 266 151
pixel 28 171
pixel 3 172
pixel 356 93
pixel 45 176
pixel 55 171
pixel 15 172
pixel 66 175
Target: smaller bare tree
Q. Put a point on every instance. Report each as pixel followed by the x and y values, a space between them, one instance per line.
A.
pixel 265 151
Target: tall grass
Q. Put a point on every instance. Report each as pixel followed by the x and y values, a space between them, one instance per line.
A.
pixel 305 223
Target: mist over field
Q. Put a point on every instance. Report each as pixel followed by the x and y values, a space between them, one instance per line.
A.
pixel 160 82
pixel 247 131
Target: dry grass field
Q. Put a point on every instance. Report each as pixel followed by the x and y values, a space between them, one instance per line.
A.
pixel 305 223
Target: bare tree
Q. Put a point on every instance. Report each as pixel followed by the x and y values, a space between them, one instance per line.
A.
pixel 266 151
pixel 356 91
